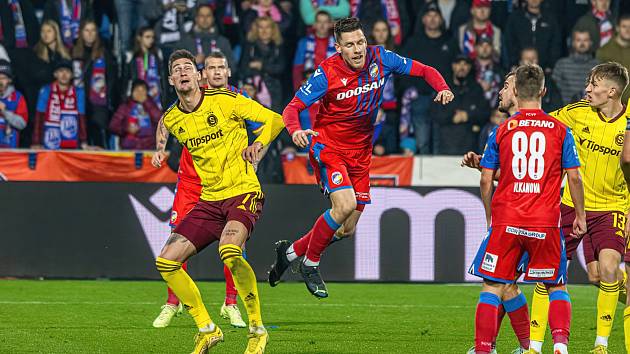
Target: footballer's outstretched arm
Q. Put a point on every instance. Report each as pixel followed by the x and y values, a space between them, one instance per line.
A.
pixel 161 137
pixel 315 87
pixel 272 126
pixel 408 66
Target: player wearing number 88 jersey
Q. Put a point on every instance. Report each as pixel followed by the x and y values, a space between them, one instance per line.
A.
pixel 535 148
pixel 532 150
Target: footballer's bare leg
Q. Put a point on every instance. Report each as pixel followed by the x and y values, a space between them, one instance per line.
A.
pixel 349 227
pixel 232 238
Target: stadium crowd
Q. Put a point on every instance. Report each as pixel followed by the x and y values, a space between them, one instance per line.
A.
pixel 91 74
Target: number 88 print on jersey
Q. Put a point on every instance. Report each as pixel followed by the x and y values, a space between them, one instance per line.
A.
pixel 532 149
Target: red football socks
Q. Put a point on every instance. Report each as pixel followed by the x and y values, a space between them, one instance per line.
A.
pixel 519 317
pixel 322 233
pixel 230 289
pixel 486 322
pixel 559 316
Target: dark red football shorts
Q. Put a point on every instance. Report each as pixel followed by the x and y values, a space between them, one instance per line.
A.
pixel 604 230
pixel 205 222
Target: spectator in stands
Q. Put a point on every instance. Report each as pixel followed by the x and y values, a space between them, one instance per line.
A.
pixel 618 49
pixel 60 118
pixel 478 25
pixel 552 99
pixel 172 18
pixel 130 18
pixel 267 9
pixel 386 126
pixel 96 72
pixel 309 9
pixel 205 38
pixel 264 60
pixel 570 72
pixel 461 120
pixel 434 47
pixel 68 14
pixel 314 48
pixel 13 110
pixel 599 22
pixel 395 12
pixel 532 27
pixel 136 120
pixel 454 12
pixel 496 119
pixel 145 63
pixel 19 27
pixel 488 72
pixel 35 71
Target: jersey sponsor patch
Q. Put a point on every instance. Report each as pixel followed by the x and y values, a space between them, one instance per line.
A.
pixel 194 142
pixel 541 273
pixel 173 216
pixel 359 90
pixel 595 147
pixel 212 120
pixel 527 233
pixel 336 177
pixel 489 263
pixel 374 70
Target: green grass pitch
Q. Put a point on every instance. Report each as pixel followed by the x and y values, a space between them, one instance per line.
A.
pixel 116 317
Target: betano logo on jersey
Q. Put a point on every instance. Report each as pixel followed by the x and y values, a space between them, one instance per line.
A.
pixel 194 142
pixel 604 150
pixel 361 89
pixel 530 123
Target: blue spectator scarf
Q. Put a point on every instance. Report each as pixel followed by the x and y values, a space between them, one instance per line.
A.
pixel 147 68
pixel 138 115
pixel 18 22
pixel 70 20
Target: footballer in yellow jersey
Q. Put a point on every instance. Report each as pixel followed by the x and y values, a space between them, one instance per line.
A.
pixel 598 124
pixel 215 135
pixel 210 123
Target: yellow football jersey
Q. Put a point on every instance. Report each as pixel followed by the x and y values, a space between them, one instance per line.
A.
pixel 599 141
pixel 215 135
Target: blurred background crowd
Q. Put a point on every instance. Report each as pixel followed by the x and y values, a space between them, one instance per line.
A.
pixel 91 74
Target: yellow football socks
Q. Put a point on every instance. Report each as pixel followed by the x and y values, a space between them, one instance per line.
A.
pixel 244 280
pixel 606 306
pixel 626 327
pixel 540 313
pixel 185 289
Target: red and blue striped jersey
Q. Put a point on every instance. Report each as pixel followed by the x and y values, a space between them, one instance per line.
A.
pixel 350 98
pixel 532 149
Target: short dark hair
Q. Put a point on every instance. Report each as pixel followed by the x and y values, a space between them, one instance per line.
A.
pixel 530 80
pixel 216 54
pixel 323 12
pixel 348 24
pixel 612 71
pixel 507 76
pixel 139 82
pixel 623 17
pixel 180 54
pixel 202 5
